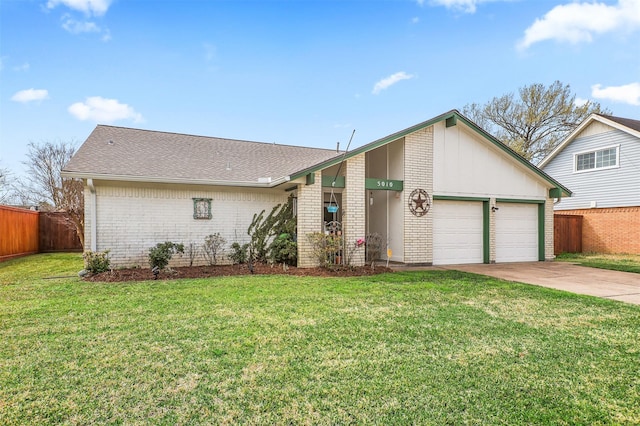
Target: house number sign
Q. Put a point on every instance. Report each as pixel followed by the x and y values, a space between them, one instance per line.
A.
pixel 419 202
pixel 383 184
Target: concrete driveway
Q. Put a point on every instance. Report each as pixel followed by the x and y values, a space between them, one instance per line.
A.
pixel 622 286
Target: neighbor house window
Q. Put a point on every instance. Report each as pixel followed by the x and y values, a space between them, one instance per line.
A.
pixel 202 208
pixel 601 159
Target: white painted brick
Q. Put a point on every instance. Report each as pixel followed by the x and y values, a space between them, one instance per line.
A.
pixel 418 173
pixel 133 219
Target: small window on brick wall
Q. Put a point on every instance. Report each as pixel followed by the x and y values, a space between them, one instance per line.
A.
pixel 202 208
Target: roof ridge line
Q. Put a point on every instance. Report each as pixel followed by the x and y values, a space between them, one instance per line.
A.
pixel 214 137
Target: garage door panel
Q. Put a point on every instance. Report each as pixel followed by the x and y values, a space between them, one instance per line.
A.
pixel 516 232
pixel 457 232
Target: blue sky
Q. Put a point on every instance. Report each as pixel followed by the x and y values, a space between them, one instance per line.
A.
pixel 299 72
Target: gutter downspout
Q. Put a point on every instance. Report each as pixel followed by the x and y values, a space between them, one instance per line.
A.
pixel 94 215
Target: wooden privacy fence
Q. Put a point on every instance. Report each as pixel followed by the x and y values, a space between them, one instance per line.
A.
pixel 57 233
pixel 567 234
pixel 18 232
pixel 24 232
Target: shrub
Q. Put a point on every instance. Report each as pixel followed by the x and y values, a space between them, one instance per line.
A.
pixel 239 253
pixel 96 261
pixel 160 255
pixel 324 248
pixel 212 247
pixel 262 230
pixel 284 250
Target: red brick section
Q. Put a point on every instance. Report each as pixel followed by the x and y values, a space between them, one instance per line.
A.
pixel 614 230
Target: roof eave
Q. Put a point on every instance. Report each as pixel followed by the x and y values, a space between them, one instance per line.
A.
pixel 587 121
pixel 565 191
pixel 568 139
pixel 419 126
pixel 372 145
pixel 154 179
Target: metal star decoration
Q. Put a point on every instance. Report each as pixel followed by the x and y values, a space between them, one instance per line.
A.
pixel 419 202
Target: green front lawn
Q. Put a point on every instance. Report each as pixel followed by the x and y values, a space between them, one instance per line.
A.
pixel 437 347
pixel 616 262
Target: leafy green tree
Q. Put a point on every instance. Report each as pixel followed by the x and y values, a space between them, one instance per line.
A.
pixel 535 121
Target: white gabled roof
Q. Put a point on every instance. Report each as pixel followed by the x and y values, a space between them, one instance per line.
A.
pixel 626 125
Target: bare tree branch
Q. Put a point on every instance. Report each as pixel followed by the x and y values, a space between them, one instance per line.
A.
pixel 46 187
pixel 534 123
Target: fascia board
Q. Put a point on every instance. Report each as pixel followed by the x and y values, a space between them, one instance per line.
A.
pixel 419 126
pixel 593 117
pixel 571 136
pixel 373 145
pixel 150 179
pixel 523 161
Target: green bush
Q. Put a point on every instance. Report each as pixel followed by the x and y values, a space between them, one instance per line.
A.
pixel 160 255
pixel 263 230
pixel 96 261
pixel 284 250
pixel 239 253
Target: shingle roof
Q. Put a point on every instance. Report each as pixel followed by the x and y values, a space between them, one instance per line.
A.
pixel 628 122
pixel 122 152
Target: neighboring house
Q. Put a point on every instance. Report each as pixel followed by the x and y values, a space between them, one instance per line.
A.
pixel 440 192
pixel 600 162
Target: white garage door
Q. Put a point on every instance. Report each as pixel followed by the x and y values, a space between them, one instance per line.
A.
pixel 516 232
pixel 457 232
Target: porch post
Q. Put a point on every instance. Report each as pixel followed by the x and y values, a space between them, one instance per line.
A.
pixel 418 173
pixel 353 200
pixel 309 218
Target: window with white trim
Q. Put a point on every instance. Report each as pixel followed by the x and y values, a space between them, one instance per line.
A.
pixel 601 159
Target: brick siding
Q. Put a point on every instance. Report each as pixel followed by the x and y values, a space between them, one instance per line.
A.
pixel 309 219
pixel 418 173
pixel 353 219
pixel 610 230
pixel 133 219
pixel 548 230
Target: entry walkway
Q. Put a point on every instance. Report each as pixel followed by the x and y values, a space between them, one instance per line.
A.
pixel 622 286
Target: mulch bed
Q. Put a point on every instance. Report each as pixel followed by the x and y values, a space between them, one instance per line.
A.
pixel 140 274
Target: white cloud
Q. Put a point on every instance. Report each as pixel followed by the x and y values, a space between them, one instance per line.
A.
pixel 99 109
pixel 579 22
pixel 30 95
pixel 415 20
pixel 89 7
pixel 23 67
pixel 467 6
pixel 628 93
pixel 77 27
pixel 387 82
